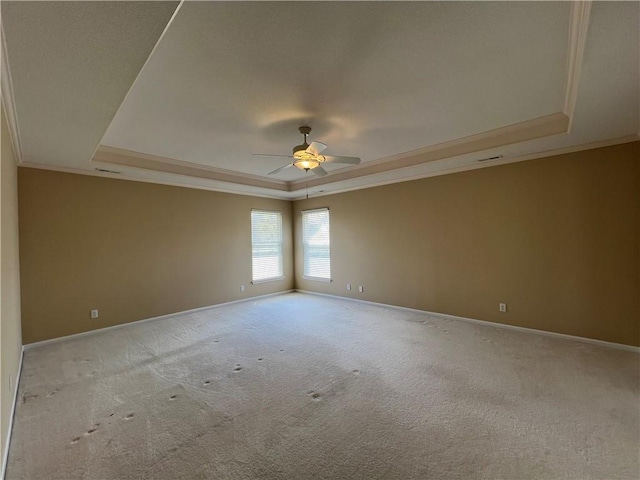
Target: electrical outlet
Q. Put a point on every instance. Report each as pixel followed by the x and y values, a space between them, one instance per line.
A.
pixel 360 288
pixel 348 286
pixel 94 313
pixel 242 288
pixel 503 307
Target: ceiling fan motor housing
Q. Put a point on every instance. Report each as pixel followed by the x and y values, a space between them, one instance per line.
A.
pixel 304 130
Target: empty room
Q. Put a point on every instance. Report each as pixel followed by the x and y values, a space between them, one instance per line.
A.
pixel 320 240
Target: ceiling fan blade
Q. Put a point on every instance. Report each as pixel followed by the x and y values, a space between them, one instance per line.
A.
pixel 334 159
pixel 269 155
pixel 315 148
pixel 277 170
pixel 319 171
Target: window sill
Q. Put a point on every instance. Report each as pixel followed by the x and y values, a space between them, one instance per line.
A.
pixel 267 280
pixel 317 279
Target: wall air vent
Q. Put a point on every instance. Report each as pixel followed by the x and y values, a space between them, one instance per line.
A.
pixel 104 170
pixel 490 158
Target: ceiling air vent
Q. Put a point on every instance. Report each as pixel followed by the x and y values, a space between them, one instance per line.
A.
pixel 104 170
pixel 490 158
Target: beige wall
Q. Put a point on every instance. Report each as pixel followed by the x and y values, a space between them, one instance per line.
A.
pixel 556 239
pixel 10 337
pixel 132 250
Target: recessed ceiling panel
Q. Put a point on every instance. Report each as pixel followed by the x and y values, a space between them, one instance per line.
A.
pixel 373 79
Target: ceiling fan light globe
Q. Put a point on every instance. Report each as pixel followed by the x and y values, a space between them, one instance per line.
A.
pixel 306 163
pixel 305 160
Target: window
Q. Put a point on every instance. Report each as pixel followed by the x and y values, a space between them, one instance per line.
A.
pixel 316 244
pixel 266 246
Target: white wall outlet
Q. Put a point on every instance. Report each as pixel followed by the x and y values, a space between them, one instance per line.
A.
pixel 242 288
pixel 360 288
pixel 348 286
pixel 503 307
pixel 94 313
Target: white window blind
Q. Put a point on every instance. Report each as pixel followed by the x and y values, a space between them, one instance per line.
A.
pixel 316 244
pixel 266 245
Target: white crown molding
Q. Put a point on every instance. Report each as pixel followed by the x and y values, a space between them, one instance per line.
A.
pixel 299 194
pixel 578 27
pixel 221 187
pixel 127 158
pixel 477 165
pixel 8 101
pixel 547 125
pixel 519 132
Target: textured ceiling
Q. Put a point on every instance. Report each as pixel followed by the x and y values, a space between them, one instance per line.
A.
pixel 385 81
pixel 72 64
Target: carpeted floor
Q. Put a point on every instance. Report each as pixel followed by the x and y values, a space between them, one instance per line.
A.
pixel 305 387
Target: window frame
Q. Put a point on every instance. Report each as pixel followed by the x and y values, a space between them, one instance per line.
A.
pixel 304 246
pixel 280 245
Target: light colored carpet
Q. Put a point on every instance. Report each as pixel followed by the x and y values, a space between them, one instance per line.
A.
pixel 305 387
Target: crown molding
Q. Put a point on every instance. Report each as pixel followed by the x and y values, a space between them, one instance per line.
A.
pixel 8 101
pixel 478 165
pixel 128 177
pixel 112 155
pixel 127 158
pixel 578 27
pixel 519 132
pixel 284 196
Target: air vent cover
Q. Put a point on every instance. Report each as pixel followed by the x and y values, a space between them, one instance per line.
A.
pixel 490 158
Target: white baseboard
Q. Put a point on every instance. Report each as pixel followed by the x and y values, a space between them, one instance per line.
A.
pixel 29 346
pixel 5 457
pixel 602 343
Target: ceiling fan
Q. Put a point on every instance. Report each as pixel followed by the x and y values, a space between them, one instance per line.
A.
pixel 307 157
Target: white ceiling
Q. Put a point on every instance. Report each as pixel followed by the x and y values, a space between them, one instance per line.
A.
pixel 71 65
pixel 373 79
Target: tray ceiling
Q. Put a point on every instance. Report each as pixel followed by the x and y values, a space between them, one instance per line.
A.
pixel 185 94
